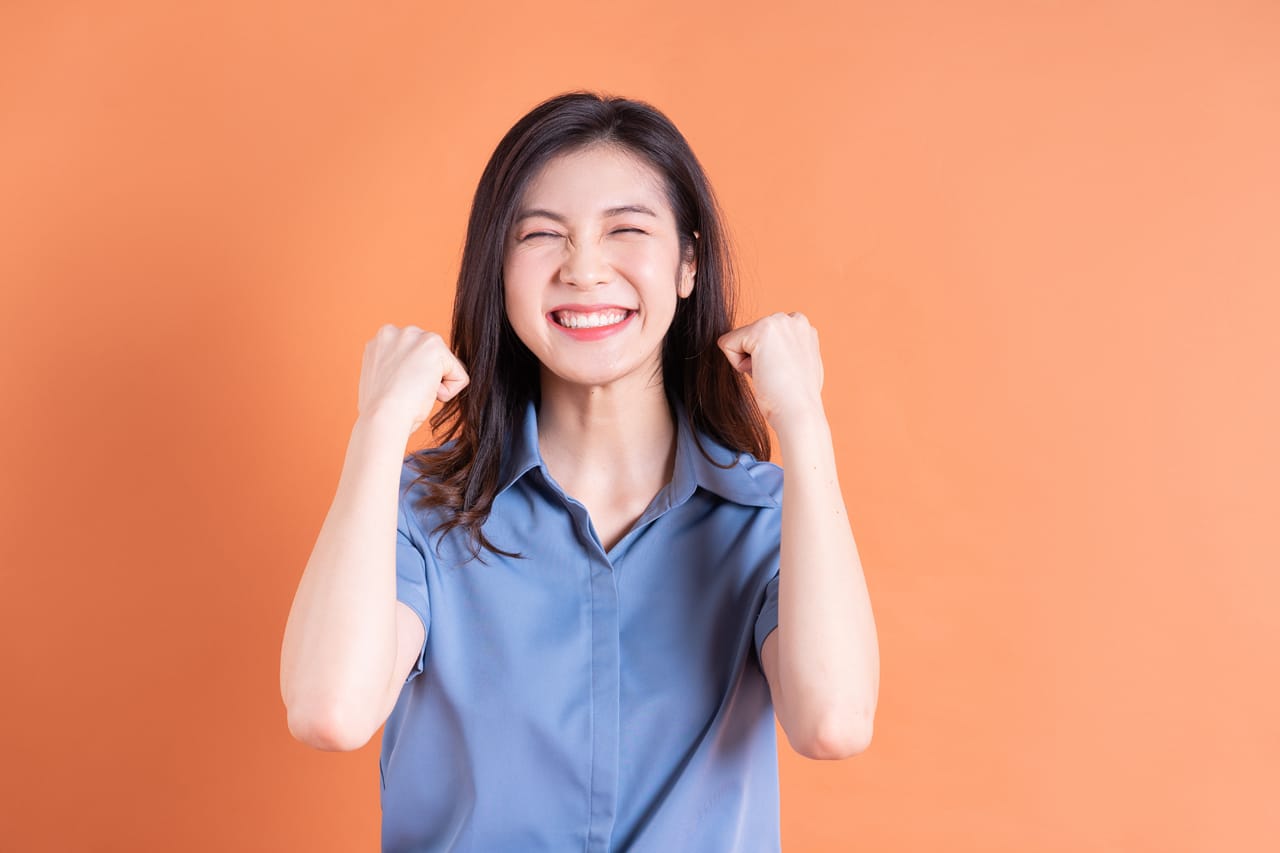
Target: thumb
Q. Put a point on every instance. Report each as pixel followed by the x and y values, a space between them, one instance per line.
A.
pixel 455 378
pixel 733 345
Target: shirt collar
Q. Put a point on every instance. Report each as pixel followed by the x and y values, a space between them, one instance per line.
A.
pixel 520 452
pixel 692 468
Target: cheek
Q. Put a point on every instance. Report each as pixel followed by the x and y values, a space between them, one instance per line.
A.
pixel 518 274
pixel 517 306
pixel 651 268
pixel 522 311
pixel 528 270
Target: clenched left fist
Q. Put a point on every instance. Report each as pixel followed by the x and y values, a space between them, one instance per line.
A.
pixel 780 354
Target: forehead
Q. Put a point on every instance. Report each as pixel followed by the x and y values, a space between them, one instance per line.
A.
pixel 593 179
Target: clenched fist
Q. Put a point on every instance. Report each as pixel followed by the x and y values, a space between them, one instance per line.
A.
pixel 405 371
pixel 780 354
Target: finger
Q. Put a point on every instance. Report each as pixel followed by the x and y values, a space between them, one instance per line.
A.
pixel 737 360
pixel 741 340
pixel 448 390
pixel 732 344
pixel 455 378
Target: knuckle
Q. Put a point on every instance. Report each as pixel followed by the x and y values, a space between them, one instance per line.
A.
pixel 426 340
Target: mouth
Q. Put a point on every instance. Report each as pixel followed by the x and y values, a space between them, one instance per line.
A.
pixel 595 319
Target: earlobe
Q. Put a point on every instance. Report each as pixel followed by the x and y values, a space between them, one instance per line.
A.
pixel 686 282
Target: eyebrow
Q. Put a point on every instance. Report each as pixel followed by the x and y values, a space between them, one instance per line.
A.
pixel 613 211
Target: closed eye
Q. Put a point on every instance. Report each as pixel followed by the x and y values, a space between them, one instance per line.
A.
pixel 534 234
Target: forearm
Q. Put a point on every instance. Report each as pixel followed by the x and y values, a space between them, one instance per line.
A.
pixel 828 655
pixel 340 639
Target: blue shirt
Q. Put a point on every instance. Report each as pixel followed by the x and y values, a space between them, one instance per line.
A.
pixel 584 699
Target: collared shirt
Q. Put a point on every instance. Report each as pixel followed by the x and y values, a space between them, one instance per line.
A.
pixel 584 699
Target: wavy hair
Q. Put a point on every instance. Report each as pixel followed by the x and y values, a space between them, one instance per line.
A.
pixel 461 475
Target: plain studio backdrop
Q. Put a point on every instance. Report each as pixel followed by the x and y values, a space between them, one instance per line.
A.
pixel 1039 241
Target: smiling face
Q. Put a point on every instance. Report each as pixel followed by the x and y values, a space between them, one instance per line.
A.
pixel 592 269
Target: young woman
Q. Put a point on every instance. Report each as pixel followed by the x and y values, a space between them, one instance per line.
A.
pixel 597 598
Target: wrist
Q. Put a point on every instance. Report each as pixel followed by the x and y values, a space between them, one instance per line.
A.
pixel 801 424
pixel 385 421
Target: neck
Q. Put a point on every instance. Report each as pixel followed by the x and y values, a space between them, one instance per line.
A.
pixel 606 438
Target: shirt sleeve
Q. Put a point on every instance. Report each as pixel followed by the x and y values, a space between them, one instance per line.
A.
pixel 767 619
pixel 411 579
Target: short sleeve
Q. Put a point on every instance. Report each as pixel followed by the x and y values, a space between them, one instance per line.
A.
pixel 411 579
pixel 767 619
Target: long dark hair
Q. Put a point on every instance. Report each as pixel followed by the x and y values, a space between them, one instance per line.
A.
pixel 462 476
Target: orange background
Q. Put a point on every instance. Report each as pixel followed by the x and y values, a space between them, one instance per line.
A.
pixel 1039 240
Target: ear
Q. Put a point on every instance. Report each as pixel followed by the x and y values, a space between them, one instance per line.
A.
pixel 685 287
pixel 688 269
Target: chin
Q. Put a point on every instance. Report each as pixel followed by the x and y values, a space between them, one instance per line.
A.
pixel 598 377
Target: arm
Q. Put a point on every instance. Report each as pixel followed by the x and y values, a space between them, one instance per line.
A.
pixel 823 661
pixel 349 643
pixel 340 640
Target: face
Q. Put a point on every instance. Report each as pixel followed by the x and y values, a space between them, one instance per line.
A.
pixel 592 268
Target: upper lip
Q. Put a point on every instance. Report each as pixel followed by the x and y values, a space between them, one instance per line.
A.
pixel 588 309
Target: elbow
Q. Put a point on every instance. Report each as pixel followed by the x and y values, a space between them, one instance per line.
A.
pixel 837 737
pixel 325 730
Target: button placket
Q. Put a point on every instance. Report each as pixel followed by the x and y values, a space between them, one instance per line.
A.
pixel 606 683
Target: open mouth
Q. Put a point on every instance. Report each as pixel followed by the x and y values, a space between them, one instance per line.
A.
pixel 591 320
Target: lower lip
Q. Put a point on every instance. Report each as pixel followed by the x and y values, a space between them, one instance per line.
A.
pixel 594 333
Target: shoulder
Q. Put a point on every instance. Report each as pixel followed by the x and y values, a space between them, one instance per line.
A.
pixel 417 509
pixel 766 475
pixel 739 476
pixel 413 467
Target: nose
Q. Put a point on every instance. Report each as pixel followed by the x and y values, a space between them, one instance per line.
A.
pixel 585 265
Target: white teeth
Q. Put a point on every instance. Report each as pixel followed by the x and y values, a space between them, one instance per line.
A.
pixel 572 320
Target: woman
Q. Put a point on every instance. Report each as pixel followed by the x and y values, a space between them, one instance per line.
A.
pixel 594 551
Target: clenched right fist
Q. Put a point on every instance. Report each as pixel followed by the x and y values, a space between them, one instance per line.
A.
pixel 405 371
